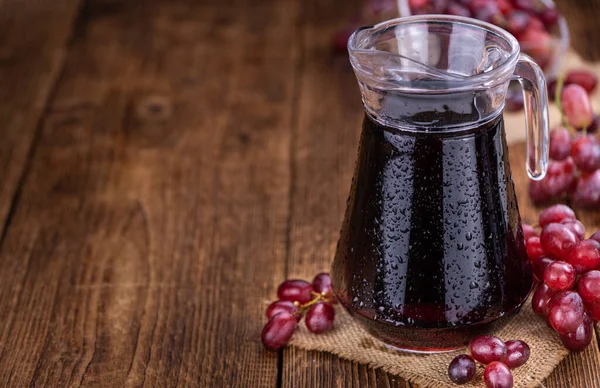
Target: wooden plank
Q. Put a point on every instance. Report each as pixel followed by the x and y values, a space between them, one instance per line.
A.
pixel 152 223
pixel 324 149
pixel 33 37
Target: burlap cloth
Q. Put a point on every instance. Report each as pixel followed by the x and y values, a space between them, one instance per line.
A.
pixel 349 341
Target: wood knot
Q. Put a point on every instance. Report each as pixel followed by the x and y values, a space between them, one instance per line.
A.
pixel 154 108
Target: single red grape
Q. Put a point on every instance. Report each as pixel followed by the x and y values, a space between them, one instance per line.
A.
pixel 525 5
pixel 558 240
pixel 585 256
pixel 575 227
pixel 586 190
pixel 283 305
pixel 538 265
pixel 497 375
pixel 319 317
pixel 517 353
pixel 541 300
pixel 586 153
pixel 576 106
pixel 487 348
pixel 462 369
pixel 537 42
pixel 559 276
pixel 418 6
pixel 538 193
pixel 559 177
pixel 565 319
pixel 278 331
pixel 579 339
pixel 585 79
pixel 505 6
pixel 596 236
pixel 534 248
pixel 588 287
pixel 295 291
pixel 560 143
pixel 322 285
pixel 566 312
pixel 529 231
pixel 556 213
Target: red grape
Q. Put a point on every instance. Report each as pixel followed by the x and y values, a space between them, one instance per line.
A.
pixel 462 369
pixel 529 231
pixel 560 143
pixel 576 106
pixel 594 310
pixel 586 190
pixel 541 300
pixel 278 331
pixel 575 227
pixel 559 177
pixel 556 213
pixel 567 298
pixel 517 353
pixel 566 312
pixel 585 79
pixel 579 339
pixel 588 287
pixel 322 285
pixel 283 305
pixel 295 291
pixel 504 6
pixel 525 5
pixel 558 240
pixel 596 236
pixel 418 5
pixel 585 256
pixel 497 375
pixel 487 348
pixel 537 192
pixel 539 266
pixel 559 276
pixel 534 248
pixel 565 319
pixel 319 317
pixel 586 153
pixel 538 42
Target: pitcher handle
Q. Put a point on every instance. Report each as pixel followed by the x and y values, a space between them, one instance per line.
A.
pixel 535 97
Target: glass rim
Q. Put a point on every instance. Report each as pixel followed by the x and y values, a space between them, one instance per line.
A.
pixel 498 73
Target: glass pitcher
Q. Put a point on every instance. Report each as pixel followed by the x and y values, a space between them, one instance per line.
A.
pixel 431 250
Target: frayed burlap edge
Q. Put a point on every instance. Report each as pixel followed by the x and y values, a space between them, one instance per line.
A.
pixel 349 341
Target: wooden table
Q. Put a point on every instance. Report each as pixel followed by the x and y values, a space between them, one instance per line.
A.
pixel 164 166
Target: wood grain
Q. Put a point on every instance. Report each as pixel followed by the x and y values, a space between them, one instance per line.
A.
pixel 152 224
pixel 33 41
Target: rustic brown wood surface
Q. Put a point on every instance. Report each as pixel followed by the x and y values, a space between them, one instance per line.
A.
pixel 164 165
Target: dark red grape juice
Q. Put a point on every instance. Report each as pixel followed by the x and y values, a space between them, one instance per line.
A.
pixel 431 251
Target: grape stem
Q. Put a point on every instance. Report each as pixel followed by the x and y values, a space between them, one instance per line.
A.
pixel 317 298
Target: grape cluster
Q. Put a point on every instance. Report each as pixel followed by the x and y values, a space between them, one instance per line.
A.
pixel 498 356
pixel 574 167
pixel 298 298
pixel 568 268
pixel 532 22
